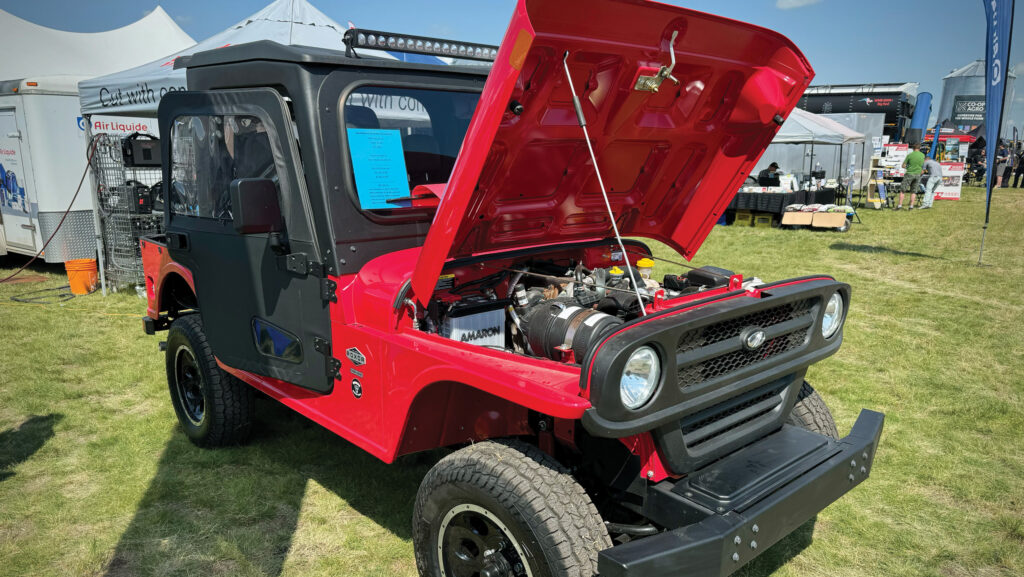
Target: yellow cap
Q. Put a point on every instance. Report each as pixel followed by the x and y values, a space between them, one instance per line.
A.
pixel 615 271
pixel 645 263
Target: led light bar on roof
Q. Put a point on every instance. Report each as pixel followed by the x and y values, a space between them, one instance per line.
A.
pixel 377 40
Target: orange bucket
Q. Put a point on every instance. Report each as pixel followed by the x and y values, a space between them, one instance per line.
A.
pixel 82 275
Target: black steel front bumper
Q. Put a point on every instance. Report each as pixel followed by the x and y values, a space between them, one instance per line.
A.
pixel 734 509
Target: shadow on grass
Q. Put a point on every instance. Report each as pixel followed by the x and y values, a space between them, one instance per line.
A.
pixel 21 442
pixel 233 511
pixel 878 249
pixel 780 553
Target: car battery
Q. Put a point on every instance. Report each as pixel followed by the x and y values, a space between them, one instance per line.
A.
pixel 477 322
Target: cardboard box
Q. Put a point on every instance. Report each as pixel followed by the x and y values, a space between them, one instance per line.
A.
pixel 828 219
pixel 797 218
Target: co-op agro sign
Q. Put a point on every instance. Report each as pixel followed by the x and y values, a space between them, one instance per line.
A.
pixel 969 109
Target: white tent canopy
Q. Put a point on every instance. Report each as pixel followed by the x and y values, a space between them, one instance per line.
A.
pixel 803 127
pixel 34 51
pixel 793 147
pixel 291 22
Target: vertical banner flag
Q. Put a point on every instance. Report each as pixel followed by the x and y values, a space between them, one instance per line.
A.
pixel 999 20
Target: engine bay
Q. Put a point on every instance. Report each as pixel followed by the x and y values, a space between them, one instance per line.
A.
pixel 554 305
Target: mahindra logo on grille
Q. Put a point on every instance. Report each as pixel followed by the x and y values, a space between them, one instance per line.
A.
pixel 753 338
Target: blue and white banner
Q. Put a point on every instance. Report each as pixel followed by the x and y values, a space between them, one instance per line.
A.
pixel 999 19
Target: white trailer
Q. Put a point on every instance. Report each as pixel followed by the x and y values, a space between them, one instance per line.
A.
pixel 42 157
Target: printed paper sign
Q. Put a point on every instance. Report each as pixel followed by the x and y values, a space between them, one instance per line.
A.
pixel 952 181
pixel 379 166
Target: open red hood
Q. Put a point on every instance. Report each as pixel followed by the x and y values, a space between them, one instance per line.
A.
pixel 671 160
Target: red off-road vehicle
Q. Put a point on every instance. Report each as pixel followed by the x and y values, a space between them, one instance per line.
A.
pixel 421 253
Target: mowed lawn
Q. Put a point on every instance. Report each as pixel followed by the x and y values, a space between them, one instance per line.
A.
pixel 97 479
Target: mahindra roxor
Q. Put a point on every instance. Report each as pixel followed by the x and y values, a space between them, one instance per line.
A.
pixel 417 252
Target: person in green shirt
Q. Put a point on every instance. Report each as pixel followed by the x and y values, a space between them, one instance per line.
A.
pixel 914 163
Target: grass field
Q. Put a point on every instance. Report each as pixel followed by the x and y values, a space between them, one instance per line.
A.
pixel 97 479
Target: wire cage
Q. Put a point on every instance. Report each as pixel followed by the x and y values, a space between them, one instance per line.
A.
pixel 129 205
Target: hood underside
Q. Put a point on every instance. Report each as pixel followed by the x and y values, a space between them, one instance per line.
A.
pixel 671 160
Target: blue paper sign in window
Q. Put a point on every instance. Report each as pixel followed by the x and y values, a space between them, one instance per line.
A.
pixel 379 165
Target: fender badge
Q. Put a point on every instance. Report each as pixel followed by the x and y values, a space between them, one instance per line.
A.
pixel 753 338
pixel 357 389
pixel 357 358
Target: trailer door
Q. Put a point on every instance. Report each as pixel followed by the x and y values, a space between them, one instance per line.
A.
pixel 15 201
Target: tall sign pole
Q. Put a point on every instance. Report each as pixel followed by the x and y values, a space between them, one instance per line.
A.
pixel 999 19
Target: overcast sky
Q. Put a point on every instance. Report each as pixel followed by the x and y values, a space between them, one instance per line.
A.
pixel 865 41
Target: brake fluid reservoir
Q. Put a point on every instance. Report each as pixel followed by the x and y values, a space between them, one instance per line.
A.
pixel 646 267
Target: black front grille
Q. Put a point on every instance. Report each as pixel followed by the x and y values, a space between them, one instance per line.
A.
pixel 707 368
pixel 732 414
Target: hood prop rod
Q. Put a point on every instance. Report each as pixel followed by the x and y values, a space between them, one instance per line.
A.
pixel 593 158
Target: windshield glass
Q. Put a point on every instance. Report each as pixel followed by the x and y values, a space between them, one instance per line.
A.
pixel 401 138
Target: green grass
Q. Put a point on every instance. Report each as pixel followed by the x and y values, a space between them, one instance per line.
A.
pixel 97 479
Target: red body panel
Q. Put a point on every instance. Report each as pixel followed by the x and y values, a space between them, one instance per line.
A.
pixel 671 160
pixel 158 267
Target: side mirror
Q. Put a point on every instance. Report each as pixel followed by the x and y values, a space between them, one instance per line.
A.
pixel 255 208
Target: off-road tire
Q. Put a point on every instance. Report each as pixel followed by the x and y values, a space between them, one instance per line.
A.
pixel 228 402
pixel 549 514
pixel 811 413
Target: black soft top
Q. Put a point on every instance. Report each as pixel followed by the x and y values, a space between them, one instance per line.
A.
pixel 268 50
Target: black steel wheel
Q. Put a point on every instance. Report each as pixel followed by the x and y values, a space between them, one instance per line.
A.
pixel 473 542
pixel 214 408
pixel 505 509
pixel 189 386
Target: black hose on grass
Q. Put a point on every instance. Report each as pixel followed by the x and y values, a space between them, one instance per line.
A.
pixel 47 296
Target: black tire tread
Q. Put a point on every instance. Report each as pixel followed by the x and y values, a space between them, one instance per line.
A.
pixel 231 404
pixel 529 482
pixel 811 413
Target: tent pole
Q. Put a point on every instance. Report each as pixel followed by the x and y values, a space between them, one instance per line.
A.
pixel 810 168
pixel 96 224
pixel 863 151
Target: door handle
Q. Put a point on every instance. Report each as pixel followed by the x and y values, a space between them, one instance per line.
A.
pixel 31 227
pixel 178 241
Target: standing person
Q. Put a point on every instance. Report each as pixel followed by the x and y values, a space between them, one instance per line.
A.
pixel 1002 163
pixel 1019 172
pixel 980 166
pixel 914 164
pixel 934 171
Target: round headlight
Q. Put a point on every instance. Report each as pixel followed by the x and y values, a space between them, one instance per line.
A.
pixel 833 317
pixel 639 377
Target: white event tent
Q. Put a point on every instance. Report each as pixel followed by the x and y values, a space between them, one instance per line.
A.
pixel 40 51
pixel 138 91
pixel 793 147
